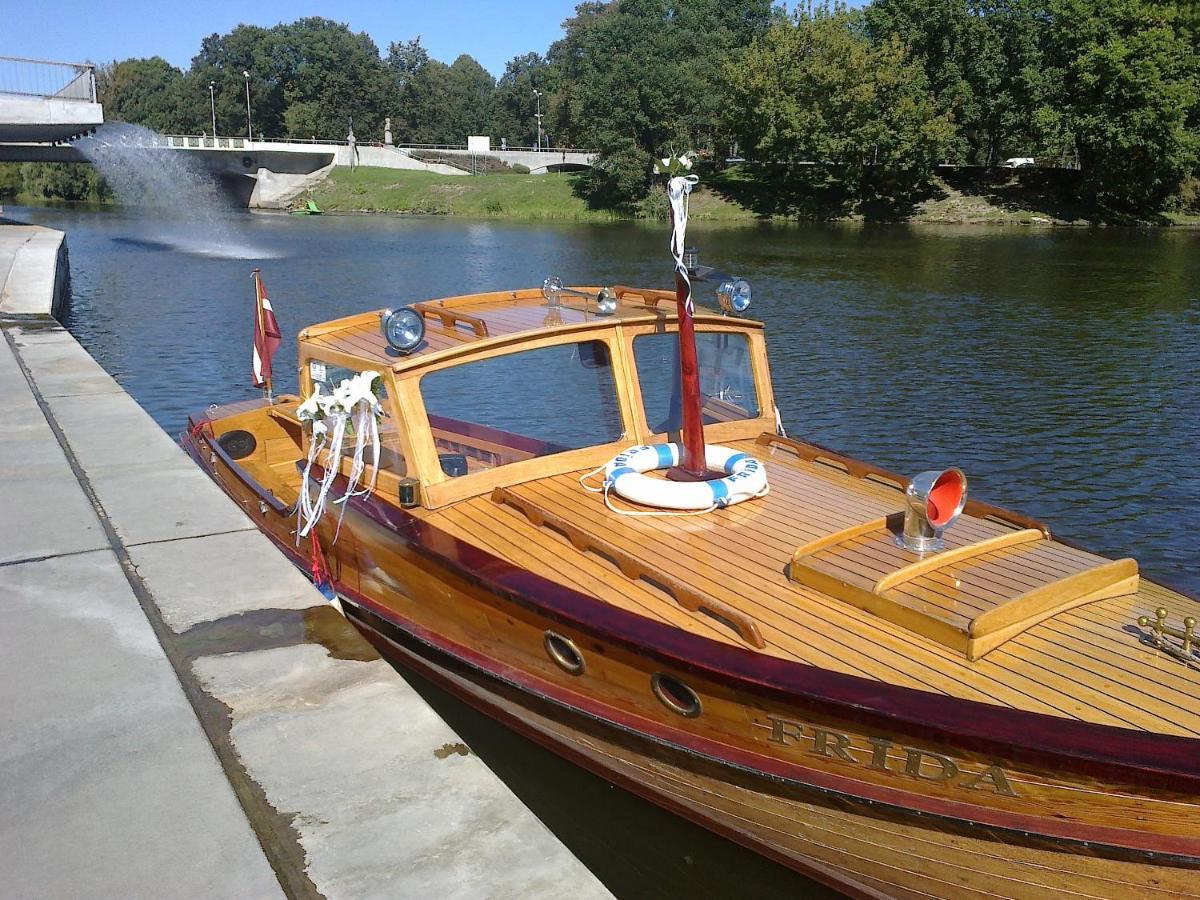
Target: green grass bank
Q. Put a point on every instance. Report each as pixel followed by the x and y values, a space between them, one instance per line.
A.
pixel 527 197
pixel 740 194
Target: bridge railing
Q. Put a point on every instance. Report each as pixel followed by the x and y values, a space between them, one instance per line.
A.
pixel 204 142
pixel 201 142
pixel 48 80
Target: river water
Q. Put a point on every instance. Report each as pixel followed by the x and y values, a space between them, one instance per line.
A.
pixel 1058 368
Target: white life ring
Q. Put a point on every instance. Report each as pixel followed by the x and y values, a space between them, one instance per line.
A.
pixel 745 479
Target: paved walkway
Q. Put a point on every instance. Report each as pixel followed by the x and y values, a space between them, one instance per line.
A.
pixel 181 714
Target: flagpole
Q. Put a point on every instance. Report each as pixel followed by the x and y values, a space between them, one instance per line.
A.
pixel 262 327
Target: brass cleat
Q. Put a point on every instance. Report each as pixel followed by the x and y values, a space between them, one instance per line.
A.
pixel 1160 630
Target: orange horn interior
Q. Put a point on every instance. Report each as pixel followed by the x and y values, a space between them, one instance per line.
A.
pixel 944 498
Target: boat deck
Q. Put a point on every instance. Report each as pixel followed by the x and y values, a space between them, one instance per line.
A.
pixel 1085 662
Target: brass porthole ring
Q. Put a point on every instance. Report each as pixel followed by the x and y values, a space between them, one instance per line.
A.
pixel 675 695
pixel 564 653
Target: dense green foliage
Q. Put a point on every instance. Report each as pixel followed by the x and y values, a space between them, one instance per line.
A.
pixel 871 99
pixel 819 93
pixel 52 181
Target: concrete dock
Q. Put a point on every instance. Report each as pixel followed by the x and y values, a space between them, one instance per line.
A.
pixel 181 713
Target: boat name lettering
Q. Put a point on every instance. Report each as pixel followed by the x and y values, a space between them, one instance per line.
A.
pixel 923 765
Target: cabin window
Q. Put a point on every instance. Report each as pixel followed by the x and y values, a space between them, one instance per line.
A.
pixel 525 404
pixel 727 390
pixel 391 452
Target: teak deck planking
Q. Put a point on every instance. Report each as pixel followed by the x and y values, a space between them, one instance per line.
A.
pixel 805 626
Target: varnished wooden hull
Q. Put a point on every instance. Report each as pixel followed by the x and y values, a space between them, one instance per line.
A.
pixel 861 851
pixel 877 789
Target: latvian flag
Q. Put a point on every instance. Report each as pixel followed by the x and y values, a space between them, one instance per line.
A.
pixel 266 334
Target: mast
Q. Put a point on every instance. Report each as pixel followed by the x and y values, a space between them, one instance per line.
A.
pixel 692 466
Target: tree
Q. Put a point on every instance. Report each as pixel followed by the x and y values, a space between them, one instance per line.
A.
pixel 1126 83
pixel 951 45
pixel 468 99
pixel 648 71
pixel 141 91
pixel 619 178
pixel 817 91
pixel 329 75
pixel 514 104
pixel 222 60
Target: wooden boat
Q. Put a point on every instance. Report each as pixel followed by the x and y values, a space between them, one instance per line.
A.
pixel 988 719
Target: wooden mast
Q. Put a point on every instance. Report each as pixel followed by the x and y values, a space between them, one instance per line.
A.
pixel 692 466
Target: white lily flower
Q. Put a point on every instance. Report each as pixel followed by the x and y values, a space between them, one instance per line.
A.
pixel 666 161
pixel 687 163
pixel 309 408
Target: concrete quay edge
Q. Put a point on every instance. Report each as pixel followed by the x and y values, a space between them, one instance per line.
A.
pixel 182 712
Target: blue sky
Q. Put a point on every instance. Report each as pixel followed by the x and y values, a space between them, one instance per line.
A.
pixel 103 30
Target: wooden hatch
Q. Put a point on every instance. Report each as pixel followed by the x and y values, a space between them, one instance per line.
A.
pixel 972 596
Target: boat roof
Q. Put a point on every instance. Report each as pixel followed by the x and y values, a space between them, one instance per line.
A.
pixel 471 319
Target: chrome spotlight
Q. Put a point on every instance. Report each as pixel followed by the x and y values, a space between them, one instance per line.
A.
pixel 734 295
pixel 733 291
pixel 403 328
pixel 933 501
pixel 605 299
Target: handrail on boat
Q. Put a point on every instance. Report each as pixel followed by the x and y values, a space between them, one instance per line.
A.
pixel 856 468
pixel 632 568
pixel 450 318
pixel 651 296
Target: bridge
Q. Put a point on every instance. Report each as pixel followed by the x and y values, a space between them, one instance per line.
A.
pixel 43 102
pixel 44 106
pixel 449 159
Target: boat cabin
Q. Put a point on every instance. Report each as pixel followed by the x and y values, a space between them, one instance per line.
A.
pixel 506 387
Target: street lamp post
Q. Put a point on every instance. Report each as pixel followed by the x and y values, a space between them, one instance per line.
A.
pixel 249 130
pixel 538 116
pixel 212 102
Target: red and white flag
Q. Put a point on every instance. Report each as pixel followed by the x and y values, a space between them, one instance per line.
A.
pixel 266 334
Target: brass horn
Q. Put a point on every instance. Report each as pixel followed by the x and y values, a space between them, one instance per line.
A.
pixel 933 501
pixel 605 299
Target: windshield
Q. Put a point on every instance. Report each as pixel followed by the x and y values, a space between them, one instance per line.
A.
pixel 727 391
pixel 523 405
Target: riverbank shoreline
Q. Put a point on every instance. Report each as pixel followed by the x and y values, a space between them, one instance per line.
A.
pixel 730 197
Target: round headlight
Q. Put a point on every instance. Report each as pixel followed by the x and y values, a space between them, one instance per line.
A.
pixel 403 328
pixel 606 302
pixel 734 295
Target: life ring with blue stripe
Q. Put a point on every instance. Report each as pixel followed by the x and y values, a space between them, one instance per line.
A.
pixel 745 478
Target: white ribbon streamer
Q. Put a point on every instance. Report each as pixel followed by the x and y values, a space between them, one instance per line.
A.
pixel 678 189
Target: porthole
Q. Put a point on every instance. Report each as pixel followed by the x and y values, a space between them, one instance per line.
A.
pixel 564 653
pixel 675 695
